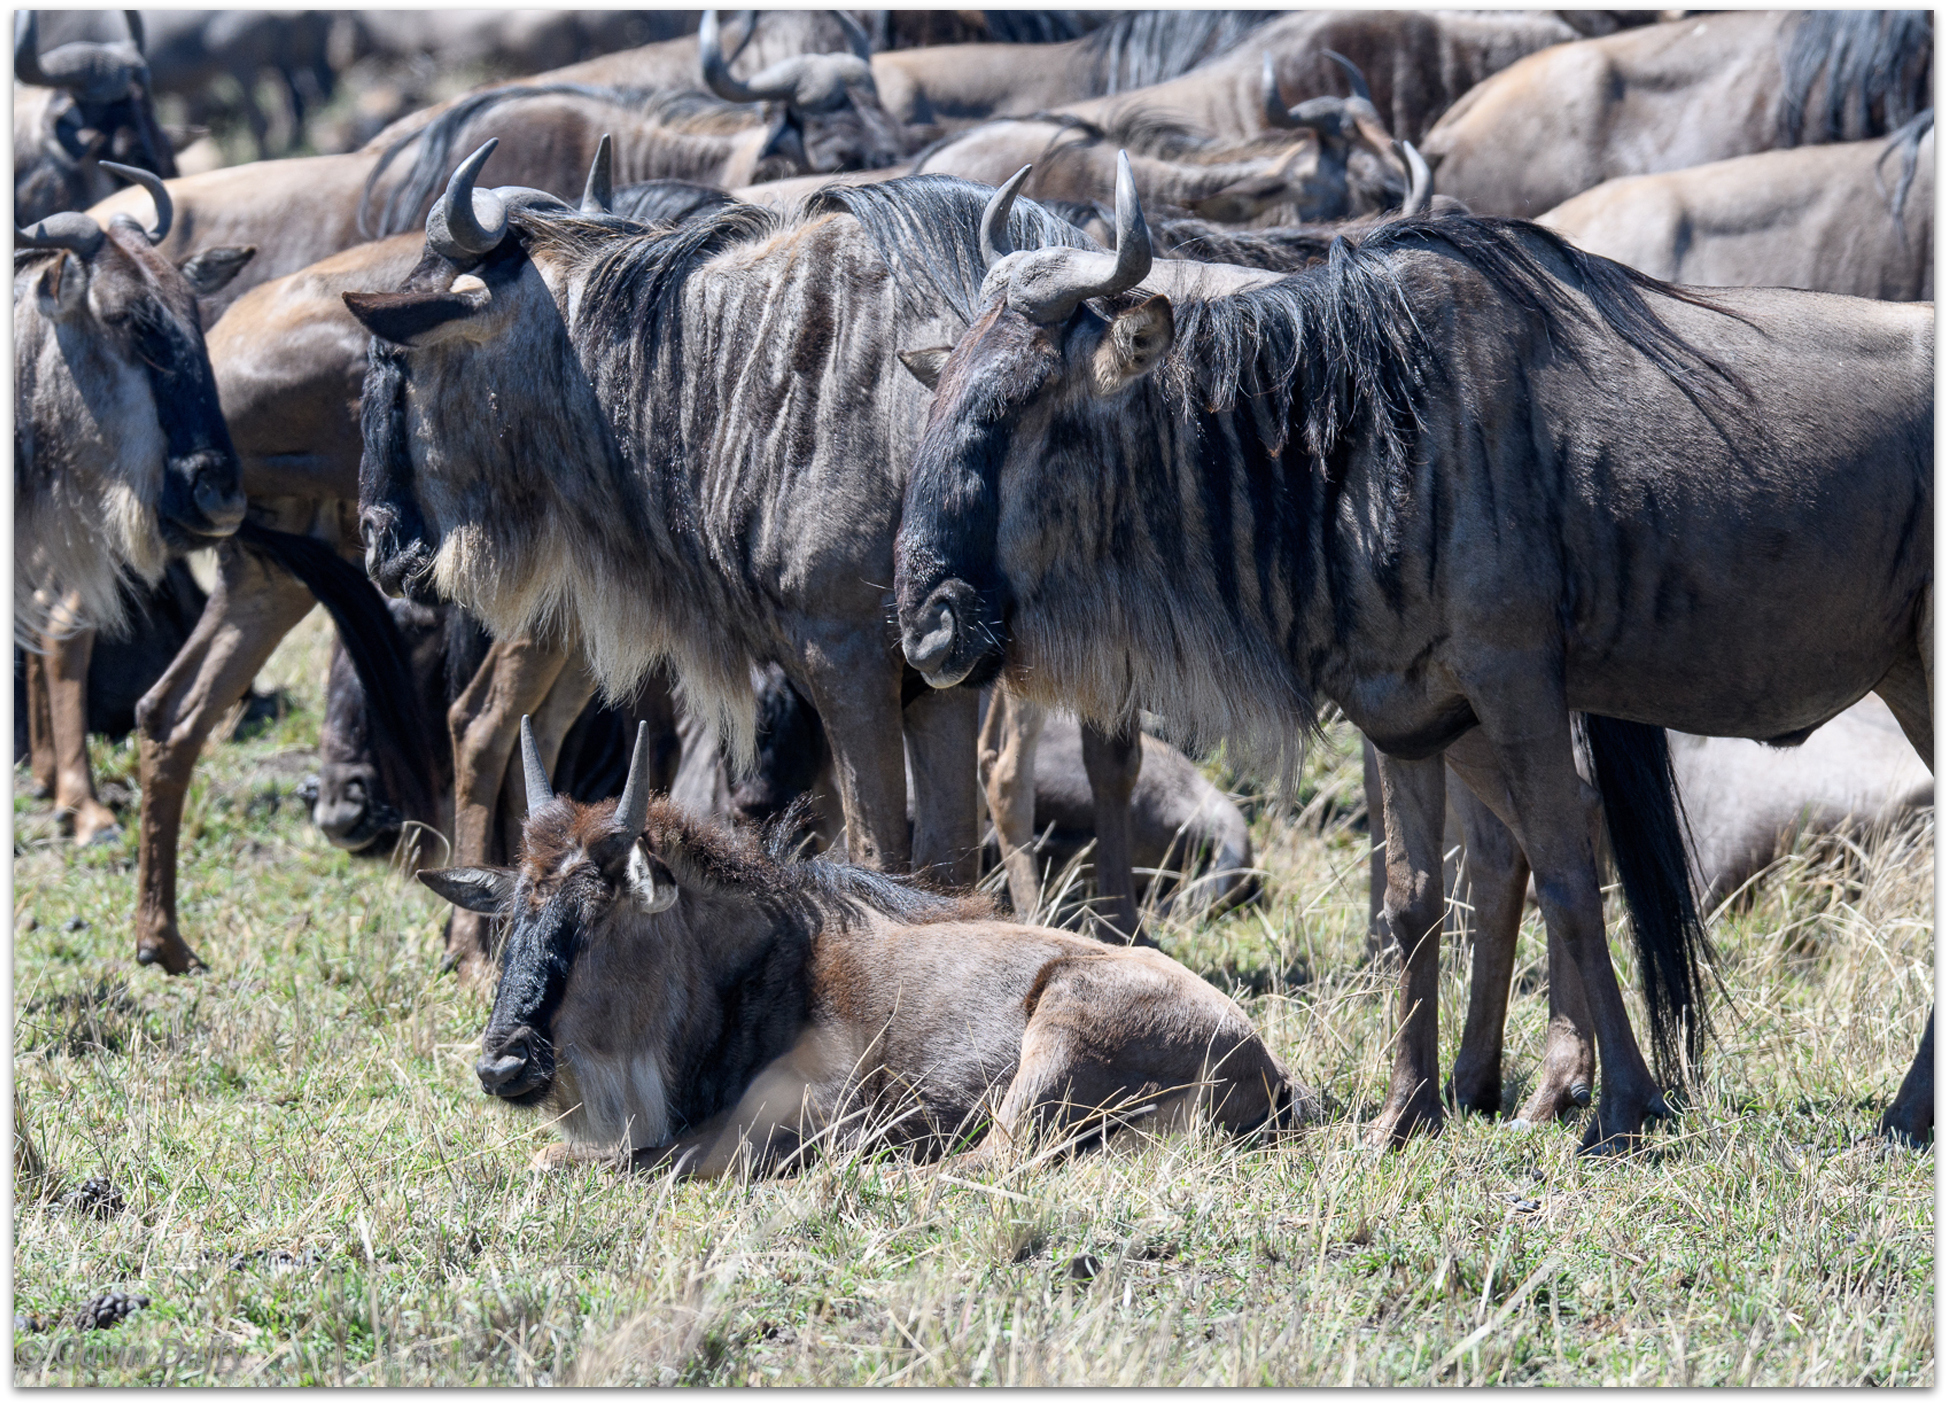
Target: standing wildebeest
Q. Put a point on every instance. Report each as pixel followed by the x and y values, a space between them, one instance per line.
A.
pixel 1332 478
pixel 1846 217
pixel 288 360
pixel 728 420
pixel 189 50
pixel 121 455
pixel 686 995
pixel 74 105
pixel 1679 94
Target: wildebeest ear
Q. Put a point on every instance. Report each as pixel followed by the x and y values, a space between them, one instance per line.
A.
pixel 476 889
pixel 63 288
pixel 1135 345
pixel 209 271
pixel 649 880
pixel 926 363
pixel 418 318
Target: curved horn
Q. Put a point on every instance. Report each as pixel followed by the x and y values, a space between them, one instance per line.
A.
pixel 860 42
pixel 1051 283
pixel 1420 180
pixel 27 50
pixel 1132 234
pixel 134 21
pixel 532 771
pixel 1353 75
pixel 995 244
pixel 455 229
pixel 598 195
pixel 1276 114
pixel 633 808
pixel 70 230
pixel 716 68
pixel 158 192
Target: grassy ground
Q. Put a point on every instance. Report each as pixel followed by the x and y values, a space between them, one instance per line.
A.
pixel 317 1192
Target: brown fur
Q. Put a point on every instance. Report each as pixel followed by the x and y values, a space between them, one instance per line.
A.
pixel 697 998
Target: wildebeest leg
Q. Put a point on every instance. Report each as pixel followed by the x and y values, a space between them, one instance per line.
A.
pixel 1911 1116
pixel 252 608
pixel 940 738
pixel 485 724
pixel 1009 738
pixel 1568 1066
pixel 65 669
pixel 1378 940
pixel 1414 796
pixel 1554 814
pixel 1908 691
pixel 1113 763
pixel 40 723
pixel 855 687
pixel 1498 881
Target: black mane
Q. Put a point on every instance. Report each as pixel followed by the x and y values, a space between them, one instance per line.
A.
pixel 1338 344
pixel 1907 141
pixel 1879 72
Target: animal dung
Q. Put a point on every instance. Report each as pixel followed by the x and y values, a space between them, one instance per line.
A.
pixel 95 1196
pixel 108 1309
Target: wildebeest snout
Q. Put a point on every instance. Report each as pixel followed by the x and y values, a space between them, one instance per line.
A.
pixel 516 1066
pixel 398 553
pixel 203 493
pixel 942 639
pixel 349 810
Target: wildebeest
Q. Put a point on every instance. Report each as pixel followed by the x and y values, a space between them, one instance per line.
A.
pixel 1329 158
pixel 75 105
pixel 681 995
pixel 121 454
pixel 1845 217
pixel 1679 94
pixel 1418 63
pixel 358 803
pixel 1350 499
pixel 289 360
pixel 716 540
pixel 190 51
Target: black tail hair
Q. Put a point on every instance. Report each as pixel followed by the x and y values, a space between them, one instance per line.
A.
pixel 375 646
pixel 1631 764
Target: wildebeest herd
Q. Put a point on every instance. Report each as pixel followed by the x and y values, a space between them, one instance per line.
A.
pixel 825 442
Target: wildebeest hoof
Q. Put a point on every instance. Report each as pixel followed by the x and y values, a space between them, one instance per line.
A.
pixel 170 953
pixel 1416 1115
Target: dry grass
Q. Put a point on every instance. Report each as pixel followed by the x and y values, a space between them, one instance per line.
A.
pixel 317 1191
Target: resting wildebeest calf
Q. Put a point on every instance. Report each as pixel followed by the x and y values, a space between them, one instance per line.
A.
pixel 1330 476
pixel 681 995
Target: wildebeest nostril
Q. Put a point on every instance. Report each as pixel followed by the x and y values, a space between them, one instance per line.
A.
pixel 503 1072
pixel 935 639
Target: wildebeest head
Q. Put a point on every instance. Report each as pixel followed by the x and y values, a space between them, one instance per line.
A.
pixel 823 110
pixel 97 104
pixel 121 453
pixel 584 898
pixel 478 312
pixel 1037 349
pixel 1352 166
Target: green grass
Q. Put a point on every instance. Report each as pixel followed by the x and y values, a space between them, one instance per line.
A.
pixel 313 1094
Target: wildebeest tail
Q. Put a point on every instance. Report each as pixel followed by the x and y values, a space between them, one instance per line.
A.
pixel 400 735
pixel 1631 764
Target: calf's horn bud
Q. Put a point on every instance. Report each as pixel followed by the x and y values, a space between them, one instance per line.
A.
pixel 532 771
